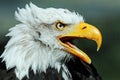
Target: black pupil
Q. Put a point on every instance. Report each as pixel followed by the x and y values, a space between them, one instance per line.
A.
pixel 60 25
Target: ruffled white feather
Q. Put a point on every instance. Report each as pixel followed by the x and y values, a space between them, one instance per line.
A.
pixel 27 49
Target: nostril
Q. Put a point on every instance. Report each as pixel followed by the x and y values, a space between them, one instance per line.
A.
pixel 84 27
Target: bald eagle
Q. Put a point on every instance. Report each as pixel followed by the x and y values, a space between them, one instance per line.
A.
pixel 41 47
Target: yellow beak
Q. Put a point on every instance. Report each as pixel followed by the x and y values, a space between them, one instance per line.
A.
pixel 81 30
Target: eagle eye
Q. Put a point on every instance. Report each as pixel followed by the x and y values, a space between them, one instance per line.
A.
pixel 60 26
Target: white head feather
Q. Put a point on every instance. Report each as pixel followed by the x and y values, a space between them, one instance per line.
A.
pixel 33 42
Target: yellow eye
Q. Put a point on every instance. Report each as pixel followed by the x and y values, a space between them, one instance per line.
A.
pixel 60 26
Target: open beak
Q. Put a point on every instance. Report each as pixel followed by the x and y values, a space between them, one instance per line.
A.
pixel 81 30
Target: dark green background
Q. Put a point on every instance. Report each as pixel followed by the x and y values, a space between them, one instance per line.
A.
pixel 105 14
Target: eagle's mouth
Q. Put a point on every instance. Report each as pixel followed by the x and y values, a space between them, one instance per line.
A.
pixel 81 30
pixel 67 42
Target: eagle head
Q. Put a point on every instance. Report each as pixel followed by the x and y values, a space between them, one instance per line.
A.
pixel 44 38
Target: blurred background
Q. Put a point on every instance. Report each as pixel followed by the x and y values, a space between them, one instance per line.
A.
pixel 105 14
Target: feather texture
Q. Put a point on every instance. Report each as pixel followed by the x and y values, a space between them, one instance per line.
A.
pixel 33 52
